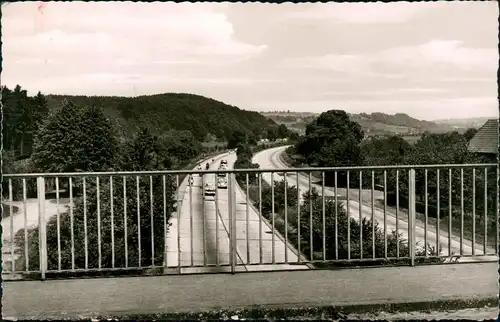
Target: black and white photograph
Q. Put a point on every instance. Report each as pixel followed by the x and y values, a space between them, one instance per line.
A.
pixel 230 161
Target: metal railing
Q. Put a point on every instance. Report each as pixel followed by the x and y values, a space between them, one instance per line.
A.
pixel 81 223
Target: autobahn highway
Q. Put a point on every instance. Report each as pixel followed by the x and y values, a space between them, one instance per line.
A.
pixel 212 217
pixel 270 159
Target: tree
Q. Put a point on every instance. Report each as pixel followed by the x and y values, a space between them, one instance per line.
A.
pixel 244 161
pixel 143 152
pixel 282 131
pixel 294 136
pixel 244 152
pixel 179 146
pixel 237 138
pixel 14 115
pixel 41 110
pixel 385 151
pixel 75 139
pixel 332 140
pixel 469 134
pixel 252 138
pixel 272 134
pixel 22 116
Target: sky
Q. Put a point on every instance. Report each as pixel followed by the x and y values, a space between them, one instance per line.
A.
pixel 430 60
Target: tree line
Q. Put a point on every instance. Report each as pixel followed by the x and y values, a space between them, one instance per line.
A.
pixel 204 117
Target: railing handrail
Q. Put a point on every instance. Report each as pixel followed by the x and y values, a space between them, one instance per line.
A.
pixel 252 170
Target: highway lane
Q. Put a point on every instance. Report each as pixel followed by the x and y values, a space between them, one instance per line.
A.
pixel 212 247
pixel 270 159
pixel 256 225
pixel 196 247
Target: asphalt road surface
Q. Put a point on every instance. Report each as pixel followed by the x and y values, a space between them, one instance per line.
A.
pixel 270 159
pixel 203 227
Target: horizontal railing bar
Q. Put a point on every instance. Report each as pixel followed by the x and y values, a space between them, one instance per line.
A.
pixel 352 260
pixel 20 272
pixel 329 261
pixel 278 170
pixel 458 255
pixel 105 269
pixel 137 268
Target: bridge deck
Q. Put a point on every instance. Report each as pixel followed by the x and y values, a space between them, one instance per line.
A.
pixel 191 293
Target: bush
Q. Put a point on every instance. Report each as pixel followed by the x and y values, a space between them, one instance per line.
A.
pixel 367 237
pixel 317 227
pixel 105 225
pixel 141 153
pixel 279 197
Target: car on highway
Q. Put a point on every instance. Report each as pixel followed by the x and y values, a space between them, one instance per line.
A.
pixel 207 166
pixel 222 174
pixel 191 180
pixel 222 183
pixel 199 168
pixel 223 162
pixel 209 190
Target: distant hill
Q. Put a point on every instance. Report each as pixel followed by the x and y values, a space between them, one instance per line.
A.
pixel 475 122
pixel 376 123
pixel 204 117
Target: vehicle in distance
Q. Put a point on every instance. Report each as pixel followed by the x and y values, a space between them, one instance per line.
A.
pixel 209 190
pixel 222 174
pixel 199 168
pixel 222 183
pixel 223 162
pixel 191 180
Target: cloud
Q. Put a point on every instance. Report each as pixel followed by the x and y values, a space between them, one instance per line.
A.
pixel 433 54
pixel 97 36
pixel 362 13
pixel 450 52
pixel 341 63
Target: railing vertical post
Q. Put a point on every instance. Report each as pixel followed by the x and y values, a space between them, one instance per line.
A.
pixel 411 215
pixel 42 226
pixel 232 218
pixel 233 222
